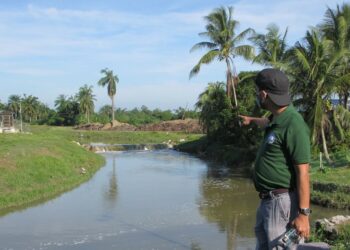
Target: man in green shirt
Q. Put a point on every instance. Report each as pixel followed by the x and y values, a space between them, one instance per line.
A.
pixel 281 173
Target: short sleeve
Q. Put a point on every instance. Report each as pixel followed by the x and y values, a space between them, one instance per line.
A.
pixel 298 142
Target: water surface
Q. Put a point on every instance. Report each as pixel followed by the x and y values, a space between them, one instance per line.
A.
pixel 143 200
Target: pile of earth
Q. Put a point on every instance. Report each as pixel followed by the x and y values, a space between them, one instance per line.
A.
pixel 187 125
pixel 115 125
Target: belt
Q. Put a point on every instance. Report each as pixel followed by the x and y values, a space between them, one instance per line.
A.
pixel 270 194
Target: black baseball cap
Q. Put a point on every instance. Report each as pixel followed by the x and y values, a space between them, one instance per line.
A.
pixel 276 84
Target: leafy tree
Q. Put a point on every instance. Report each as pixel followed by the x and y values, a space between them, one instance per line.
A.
pixel 67 109
pixel 215 111
pixel 314 62
pixel 14 103
pixel 336 28
pixel 86 100
pixel 223 45
pixel 110 81
pixel 272 47
pixel 30 107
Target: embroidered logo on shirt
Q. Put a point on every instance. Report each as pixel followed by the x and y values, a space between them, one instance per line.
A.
pixel 271 138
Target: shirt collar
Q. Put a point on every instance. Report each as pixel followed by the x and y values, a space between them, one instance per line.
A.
pixel 277 120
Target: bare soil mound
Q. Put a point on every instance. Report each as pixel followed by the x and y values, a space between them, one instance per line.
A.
pixel 187 125
pixel 89 126
pixel 120 126
pixel 115 125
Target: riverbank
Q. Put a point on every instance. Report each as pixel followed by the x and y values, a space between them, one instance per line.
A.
pixel 47 162
pixel 330 185
pixel 41 165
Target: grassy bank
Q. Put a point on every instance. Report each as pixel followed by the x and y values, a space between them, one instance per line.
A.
pixel 46 162
pixel 330 186
pixel 338 241
pixel 237 158
pixel 41 165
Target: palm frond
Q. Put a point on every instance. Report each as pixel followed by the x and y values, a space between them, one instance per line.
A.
pixel 241 36
pixel 246 51
pixel 201 45
pixel 207 58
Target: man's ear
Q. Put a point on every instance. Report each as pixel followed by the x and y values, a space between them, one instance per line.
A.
pixel 263 94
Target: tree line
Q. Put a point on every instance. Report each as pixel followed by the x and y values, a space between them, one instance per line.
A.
pixel 79 109
pixel 317 66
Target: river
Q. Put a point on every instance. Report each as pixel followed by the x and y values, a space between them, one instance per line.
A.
pixel 143 200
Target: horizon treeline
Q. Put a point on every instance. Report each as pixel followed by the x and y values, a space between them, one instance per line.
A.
pixel 79 109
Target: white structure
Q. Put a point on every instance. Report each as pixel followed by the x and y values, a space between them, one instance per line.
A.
pixel 7 122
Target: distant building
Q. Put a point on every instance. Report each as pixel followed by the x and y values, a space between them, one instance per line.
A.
pixel 335 102
pixel 7 122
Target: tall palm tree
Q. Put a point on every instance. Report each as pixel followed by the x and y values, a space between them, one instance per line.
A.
pixel 61 103
pixel 111 81
pixel 30 107
pixel 14 103
pixel 67 109
pixel 314 62
pixel 272 47
pixel 223 45
pixel 86 100
pixel 336 27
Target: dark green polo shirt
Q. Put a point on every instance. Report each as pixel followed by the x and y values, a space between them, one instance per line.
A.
pixel 286 143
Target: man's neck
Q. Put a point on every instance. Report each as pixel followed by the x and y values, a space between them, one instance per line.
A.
pixel 278 110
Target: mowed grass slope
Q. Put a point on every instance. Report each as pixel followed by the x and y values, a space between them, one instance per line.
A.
pixel 41 165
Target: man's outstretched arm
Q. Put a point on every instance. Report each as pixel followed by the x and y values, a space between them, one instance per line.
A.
pixel 261 122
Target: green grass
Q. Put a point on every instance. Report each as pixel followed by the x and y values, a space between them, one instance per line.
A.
pixel 340 242
pixel 38 166
pixel 331 184
pixel 46 162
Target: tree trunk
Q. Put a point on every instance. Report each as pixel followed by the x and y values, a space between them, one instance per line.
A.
pixel 230 83
pixel 228 80
pixel 112 97
pixel 324 145
pixel 234 89
pixel 345 101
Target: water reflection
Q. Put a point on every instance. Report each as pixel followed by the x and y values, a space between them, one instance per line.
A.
pixel 230 203
pixel 111 194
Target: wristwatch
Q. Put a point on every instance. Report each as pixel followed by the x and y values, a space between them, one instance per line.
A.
pixel 305 211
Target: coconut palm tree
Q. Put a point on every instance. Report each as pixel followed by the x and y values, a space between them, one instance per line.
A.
pixel 314 63
pixel 110 81
pixel 223 45
pixel 30 107
pixel 13 104
pixel 272 47
pixel 86 100
pixel 336 27
pixel 67 109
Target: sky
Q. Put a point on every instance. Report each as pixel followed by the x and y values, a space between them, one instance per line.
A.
pixel 49 48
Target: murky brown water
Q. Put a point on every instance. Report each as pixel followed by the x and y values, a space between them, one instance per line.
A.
pixel 143 200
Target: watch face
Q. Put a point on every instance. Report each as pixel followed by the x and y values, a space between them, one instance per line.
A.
pixel 305 211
